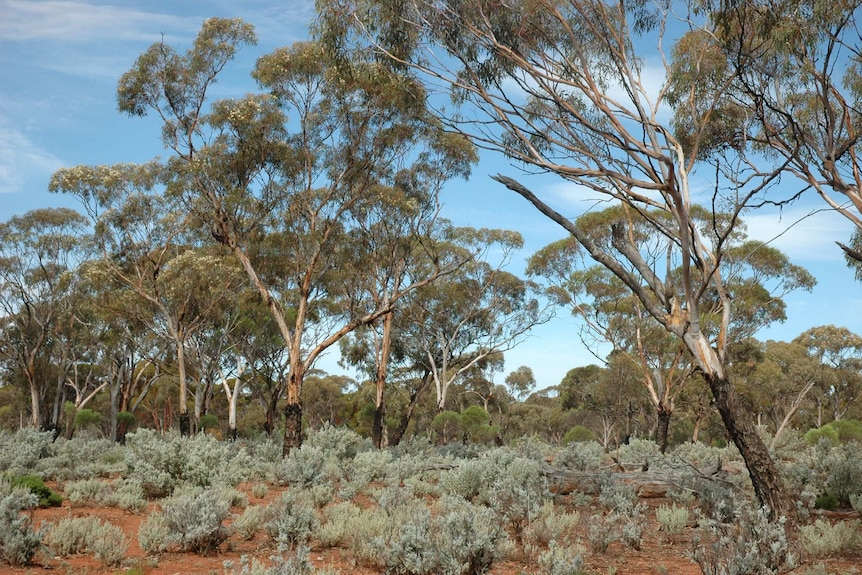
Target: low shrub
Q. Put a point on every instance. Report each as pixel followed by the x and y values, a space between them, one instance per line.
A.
pixel 250 522
pixel 87 492
pixel 191 522
pixel 824 539
pixel 19 542
pixel 73 535
pixel 290 520
pixel 36 485
pixel 578 434
pixel 671 519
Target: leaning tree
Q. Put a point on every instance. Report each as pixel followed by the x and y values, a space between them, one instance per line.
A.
pixel 565 88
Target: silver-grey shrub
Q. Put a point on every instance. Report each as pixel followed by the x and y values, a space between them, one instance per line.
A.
pixel 303 467
pixel 72 535
pixel 824 539
pixel 162 462
pixel 91 492
pixel 19 542
pixel 23 449
pixel 753 544
pixel 581 456
pixel 193 522
pixel 291 519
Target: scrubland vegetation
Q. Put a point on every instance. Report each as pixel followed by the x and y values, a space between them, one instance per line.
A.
pixel 460 508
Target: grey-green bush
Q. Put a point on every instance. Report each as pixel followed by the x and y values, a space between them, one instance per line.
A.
pixel 19 542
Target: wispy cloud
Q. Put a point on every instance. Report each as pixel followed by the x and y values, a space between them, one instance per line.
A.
pixel 21 159
pixel 70 21
pixel 801 233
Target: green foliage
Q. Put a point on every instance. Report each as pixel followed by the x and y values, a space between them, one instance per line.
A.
pixel 208 422
pixel 842 430
pixel 126 418
pixel 475 423
pixel 447 426
pixel 19 542
pixel 36 485
pixel 86 417
pixel 826 501
pixel 578 434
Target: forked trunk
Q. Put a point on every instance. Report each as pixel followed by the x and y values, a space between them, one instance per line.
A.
pixel 767 483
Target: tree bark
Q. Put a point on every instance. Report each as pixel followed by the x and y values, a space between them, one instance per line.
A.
pixel 185 424
pixel 411 407
pixel 767 483
pixel 292 427
pixel 377 427
pixel 662 426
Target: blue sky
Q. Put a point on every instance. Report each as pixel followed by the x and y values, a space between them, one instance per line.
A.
pixel 59 65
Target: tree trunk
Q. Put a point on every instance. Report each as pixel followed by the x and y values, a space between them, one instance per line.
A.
pixel 662 426
pixel 411 407
pixel 185 424
pixel 185 420
pixel 292 427
pixel 377 428
pixel 767 483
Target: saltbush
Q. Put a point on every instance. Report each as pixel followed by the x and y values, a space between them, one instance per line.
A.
pixel 753 544
pixel 823 539
pixel 671 519
pixel 91 492
pixel 290 520
pixel 189 523
pixel 23 449
pixel 303 467
pixel 19 542
pixel 73 535
pixel 162 462
pixel 581 456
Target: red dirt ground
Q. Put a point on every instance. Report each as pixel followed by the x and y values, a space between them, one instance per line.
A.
pixel 656 557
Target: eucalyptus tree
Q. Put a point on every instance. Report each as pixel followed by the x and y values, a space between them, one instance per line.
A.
pixel 757 277
pixel 564 88
pixel 147 245
pixel 839 353
pixel 776 87
pixel 39 254
pixel 478 311
pixel 281 178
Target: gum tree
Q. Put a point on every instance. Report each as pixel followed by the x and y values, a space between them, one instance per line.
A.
pixel 778 81
pixel 564 88
pixel 282 178
pixel 146 246
pixel 757 277
pixel 39 253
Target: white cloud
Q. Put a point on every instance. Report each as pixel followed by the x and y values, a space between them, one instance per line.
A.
pixel 21 158
pixel 801 234
pixel 70 21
